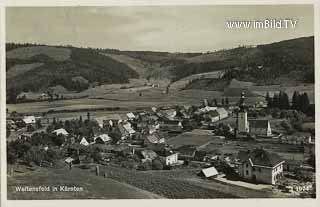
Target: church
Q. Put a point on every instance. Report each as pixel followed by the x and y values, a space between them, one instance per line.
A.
pixel 256 127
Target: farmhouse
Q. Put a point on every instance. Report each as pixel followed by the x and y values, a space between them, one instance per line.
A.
pixel 260 127
pixel 260 166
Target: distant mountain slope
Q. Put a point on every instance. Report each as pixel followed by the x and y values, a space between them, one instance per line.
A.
pixel 262 63
pixel 37 67
pixel 59 66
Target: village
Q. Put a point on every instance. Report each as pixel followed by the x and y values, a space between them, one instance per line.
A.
pixel 248 147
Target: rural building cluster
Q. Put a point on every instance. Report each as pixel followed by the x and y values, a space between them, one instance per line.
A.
pixel 227 144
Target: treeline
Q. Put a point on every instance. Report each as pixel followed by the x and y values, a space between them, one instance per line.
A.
pixel 300 102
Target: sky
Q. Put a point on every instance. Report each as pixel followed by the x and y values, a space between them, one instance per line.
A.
pixel 154 28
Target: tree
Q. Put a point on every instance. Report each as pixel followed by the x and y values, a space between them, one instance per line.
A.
pixel 275 100
pixel 38 124
pixel 304 102
pixel 267 96
pixel 295 101
pixel 227 101
pixel 157 165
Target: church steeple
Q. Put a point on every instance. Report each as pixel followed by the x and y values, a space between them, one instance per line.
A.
pixel 242 117
pixel 241 103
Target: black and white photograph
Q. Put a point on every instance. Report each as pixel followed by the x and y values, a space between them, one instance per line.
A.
pixel 160 102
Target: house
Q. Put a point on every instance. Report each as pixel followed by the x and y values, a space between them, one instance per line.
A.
pixel 207 109
pixel 84 142
pixel 61 131
pixel 223 113
pixel 29 120
pixel 69 160
pixel 148 155
pixel 187 152
pixel 171 158
pixel 126 130
pixel 209 172
pixel 260 127
pixel 110 120
pixel 153 139
pixel 260 166
pixel 102 139
pixel 131 116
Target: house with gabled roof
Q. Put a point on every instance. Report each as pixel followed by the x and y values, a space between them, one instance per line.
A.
pixel 153 139
pixel 102 138
pixel 260 166
pixel 61 131
pixel 84 142
pixel 209 172
pixel 126 130
pixel 29 119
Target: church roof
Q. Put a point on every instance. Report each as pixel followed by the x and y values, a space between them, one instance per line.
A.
pixel 259 123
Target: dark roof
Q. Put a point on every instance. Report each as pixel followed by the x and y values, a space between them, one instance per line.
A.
pixel 258 123
pixel 187 150
pixel 260 157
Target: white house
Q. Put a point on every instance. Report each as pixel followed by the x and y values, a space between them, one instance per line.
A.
pixel 131 116
pixel 171 159
pixel 103 138
pixel 260 166
pixel 61 131
pixel 29 119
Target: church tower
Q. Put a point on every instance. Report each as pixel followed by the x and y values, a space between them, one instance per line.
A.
pixel 242 117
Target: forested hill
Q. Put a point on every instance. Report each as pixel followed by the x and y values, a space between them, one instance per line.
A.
pixel 37 67
pixel 263 62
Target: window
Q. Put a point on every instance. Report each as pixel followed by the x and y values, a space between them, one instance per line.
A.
pixel 247 173
pixel 259 169
pixel 253 169
pixel 247 165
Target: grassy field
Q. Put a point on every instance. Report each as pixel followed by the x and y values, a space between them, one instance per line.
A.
pixel 94 187
pixel 164 185
pixel 190 138
pixel 127 99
